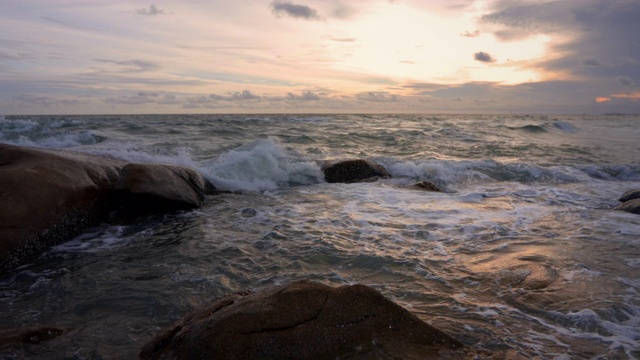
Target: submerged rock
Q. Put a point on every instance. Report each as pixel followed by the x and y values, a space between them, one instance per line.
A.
pixel 301 320
pixel 428 186
pixel 630 195
pixel 349 171
pixel 153 188
pixel 48 196
pixel 29 335
pixel 632 206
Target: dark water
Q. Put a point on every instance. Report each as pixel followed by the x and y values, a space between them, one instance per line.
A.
pixel 531 198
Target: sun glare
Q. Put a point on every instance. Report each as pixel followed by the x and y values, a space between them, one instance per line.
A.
pixel 406 43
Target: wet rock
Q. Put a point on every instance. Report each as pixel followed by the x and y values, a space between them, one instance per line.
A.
pixel 529 276
pixel 349 171
pixel 301 320
pixel 154 188
pixel 48 196
pixel 29 335
pixel 428 186
pixel 632 206
pixel 630 195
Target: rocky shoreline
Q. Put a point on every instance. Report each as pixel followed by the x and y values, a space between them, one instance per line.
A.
pixel 50 196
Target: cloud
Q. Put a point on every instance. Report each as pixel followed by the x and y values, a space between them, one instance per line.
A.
pixel 343 39
pixel 150 11
pixel 46 101
pixel 129 66
pixel 305 96
pixel 281 8
pixel 376 96
pixel 625 80
pixel 601 33
pixel 483 57
pixel 591 62
pixel 244 95
pixel 470 34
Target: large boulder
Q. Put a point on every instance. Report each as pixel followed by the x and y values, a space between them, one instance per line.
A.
pixel 632 206
pixel 155 188
pixel 302 320
pixel 630 195
pixel 47 196
pixel 349 171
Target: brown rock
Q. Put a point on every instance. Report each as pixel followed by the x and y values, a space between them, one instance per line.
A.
pixel 349 171
pixel 632 206
pixel 48 196
pixel 154 188
pixel 301 320
pixel 630 195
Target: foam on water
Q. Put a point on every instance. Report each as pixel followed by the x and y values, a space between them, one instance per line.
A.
pixel 260 166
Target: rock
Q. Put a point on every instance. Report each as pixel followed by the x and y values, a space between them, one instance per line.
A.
pixel 301 320
pixel 153 188
pixel 632 206
pixel 630 195
pixel 48 196
pixel 29 335
pixel 349 171
pixel 428 185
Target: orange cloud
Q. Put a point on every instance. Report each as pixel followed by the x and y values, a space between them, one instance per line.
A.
pixel 602 99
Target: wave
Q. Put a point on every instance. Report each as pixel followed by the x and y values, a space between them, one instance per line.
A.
pixel 562 126
pixel 445 172
pixel 260 166
pixel 51 134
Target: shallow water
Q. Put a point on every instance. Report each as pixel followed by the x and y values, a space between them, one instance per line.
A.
pixel 523 252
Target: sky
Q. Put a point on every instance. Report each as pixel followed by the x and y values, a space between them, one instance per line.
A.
pixel 319 56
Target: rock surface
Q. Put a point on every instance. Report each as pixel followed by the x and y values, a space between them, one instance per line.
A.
pixel 349 171
pixel 153 188
pixel 301 320
pixel 47 197
pixel 632 206
pixel 630 195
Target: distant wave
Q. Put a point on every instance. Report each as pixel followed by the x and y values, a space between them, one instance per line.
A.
pixel 52 134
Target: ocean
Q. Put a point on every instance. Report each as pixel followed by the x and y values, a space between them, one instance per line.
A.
pixel 522 251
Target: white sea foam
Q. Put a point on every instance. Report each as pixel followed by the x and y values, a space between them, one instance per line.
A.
pixel 260 166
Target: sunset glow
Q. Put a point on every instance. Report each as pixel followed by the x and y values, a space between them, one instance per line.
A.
pixel 316 56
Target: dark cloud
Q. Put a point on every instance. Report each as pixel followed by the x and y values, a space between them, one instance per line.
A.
pixel 532 19
pixel 150 11
pixel 625 80
pixel 483 57
pixel 601 33
pixel 470 34
pixel 376 96
pixel 280 8
pixel 244 95
pixel 591 62
pixel 305 96
pixel 46 101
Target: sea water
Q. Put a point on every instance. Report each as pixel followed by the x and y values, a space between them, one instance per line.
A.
pixel 527 197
